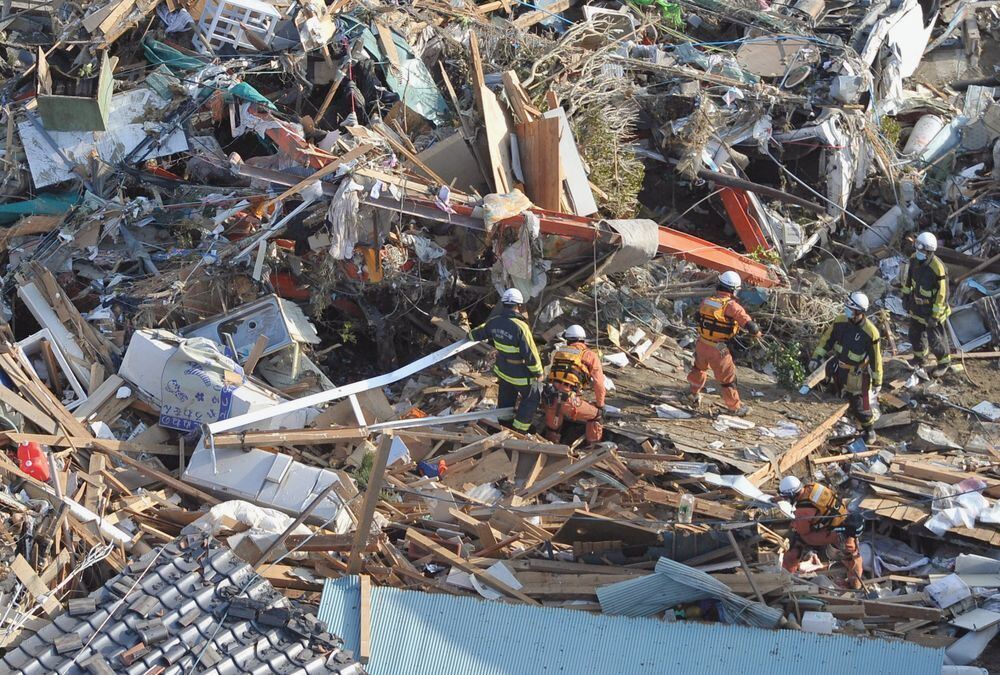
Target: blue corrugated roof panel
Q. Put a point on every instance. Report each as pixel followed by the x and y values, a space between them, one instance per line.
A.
pixel 416 633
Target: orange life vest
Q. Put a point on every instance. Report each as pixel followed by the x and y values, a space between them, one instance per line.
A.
pixel 713 324
pixel 827 504
pixel 567 367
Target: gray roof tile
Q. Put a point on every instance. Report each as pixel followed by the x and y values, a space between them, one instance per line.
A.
pixel 187 593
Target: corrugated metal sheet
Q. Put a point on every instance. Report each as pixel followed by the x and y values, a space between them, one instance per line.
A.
pixel 416 633
pixel 675 583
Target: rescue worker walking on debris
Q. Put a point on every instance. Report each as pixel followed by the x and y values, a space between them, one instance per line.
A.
pixel 857 370
pixel 925 297
pixel 518 365
pixel 820 520
pixel 720 318
pixel 574 366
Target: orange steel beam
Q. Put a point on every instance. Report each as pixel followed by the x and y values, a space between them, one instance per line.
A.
pixel 737 204
pixel 671 242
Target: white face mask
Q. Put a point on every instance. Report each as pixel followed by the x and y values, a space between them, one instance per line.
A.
pixel 921 255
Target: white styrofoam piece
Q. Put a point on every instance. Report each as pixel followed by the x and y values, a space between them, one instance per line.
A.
pixel 32 344
pixel 126 129
pixel 48 319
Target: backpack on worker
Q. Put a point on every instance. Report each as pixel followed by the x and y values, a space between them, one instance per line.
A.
pixel 827 504
pixel 567 367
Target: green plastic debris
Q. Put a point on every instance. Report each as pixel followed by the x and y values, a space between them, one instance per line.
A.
pixel 48 204
pixel 671 12
pixel 159 53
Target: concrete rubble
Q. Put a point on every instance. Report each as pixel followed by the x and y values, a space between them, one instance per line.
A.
pixel 243 243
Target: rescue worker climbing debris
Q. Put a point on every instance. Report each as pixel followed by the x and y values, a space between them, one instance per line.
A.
pixel 925 297
pixel 857 370
pixel 720 318
pixel 574 367
pixel 821 519
pixel 518 365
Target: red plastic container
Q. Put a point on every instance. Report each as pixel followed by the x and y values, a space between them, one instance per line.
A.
pixel 33 461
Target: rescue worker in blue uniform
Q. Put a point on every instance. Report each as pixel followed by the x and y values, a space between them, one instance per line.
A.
pixel 518 365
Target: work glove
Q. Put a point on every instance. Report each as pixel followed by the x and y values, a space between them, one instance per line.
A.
pixel 876 391
pixel 813 364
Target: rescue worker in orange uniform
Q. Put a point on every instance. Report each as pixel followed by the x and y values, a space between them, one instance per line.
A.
pixel 720 318
pixel 574 366
pixel 821 520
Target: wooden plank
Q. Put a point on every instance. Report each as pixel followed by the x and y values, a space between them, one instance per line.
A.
pixel 802 448
pixel 388 48
pixel 476 448
pixel 526 21
pixel 60 441
pixel 447 556
pixel 365 644
pixel 518 99
pixel 36 587
pixel 52 367
pixel 562 475
pixel 477 76
pixel 30 412
pixel 255 353
pixel 325 171
pixel 704 507
pixel 290 437
pixel 538 145
pixel 105 392
pixel 375 479
pixel 875 608
pixel 156 474
pixel 945 475
pixel 497 141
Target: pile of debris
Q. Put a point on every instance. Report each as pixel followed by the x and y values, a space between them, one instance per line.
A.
pixel 244 243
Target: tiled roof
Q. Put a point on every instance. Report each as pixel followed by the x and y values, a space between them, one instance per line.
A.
pixel 184 615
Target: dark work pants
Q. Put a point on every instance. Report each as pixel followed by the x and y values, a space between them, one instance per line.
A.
pixel 936 336
pixel 524 400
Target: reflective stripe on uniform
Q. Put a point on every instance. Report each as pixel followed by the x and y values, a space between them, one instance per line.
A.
pixel 516 381
pixel 506 349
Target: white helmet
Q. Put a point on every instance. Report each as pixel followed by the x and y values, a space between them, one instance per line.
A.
pixel 575 332
pixel 790 486
pixel 730 281
pixel 926 241
pixel 858 302
pixel 512 296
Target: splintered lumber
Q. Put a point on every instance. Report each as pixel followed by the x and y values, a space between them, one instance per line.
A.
pixel 301 518
pixel 447 556
pixel 105 392
pixel 538 146
pixel 648 493
pixel 802 448
pixel 528 20
pixel 290 437
pixel 88 443
pixel 36 587
pixel 473 449
pixel 156 474
pixel 30 412
pixel 942 474
pixel 375 480
pixel 563 475
pixel 320 174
